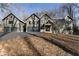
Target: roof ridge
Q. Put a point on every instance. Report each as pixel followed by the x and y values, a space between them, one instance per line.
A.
pixel 14 16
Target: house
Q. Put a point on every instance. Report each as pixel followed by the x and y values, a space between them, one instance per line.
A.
pixel 56 25
pixel 49 25
pixel 69 24
pixel 35 24
pixel 1 27
pixel 32 23
pixel 12 24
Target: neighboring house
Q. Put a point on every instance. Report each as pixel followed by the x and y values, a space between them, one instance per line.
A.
pixel 32 23
pixel 56 25
pixel 12 23
pixel 1 27
pixel 69 24
pixel 49 25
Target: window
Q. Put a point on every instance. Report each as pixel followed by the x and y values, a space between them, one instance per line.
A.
pixel 29 22
pixel 47 28
pixel 68 28
pixel 11 16
pixel 10 22
pixel 46 18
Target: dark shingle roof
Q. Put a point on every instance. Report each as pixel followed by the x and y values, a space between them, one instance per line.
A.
pixel 31 16
pixel 14 16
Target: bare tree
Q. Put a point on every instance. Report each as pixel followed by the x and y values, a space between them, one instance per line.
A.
pixel 70 9
pixel 52 13
pixel 5 7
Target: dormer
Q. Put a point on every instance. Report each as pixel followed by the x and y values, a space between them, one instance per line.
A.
pixel 68 19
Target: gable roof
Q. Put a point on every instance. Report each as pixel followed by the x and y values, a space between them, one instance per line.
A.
pixel 50 19
pixel 58 22
pixel 69 17
pixel 32 15
pixel 42 27
pixel 46 15
pixel 14 16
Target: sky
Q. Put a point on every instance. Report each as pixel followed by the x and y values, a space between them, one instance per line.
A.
pixel 33 7
pixel 41 6
pixel 21 9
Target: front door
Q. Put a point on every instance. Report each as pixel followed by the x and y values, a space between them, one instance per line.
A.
pixel 24 28
pixel 47 28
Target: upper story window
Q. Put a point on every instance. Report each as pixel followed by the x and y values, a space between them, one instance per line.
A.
pixel 38 22
pixel 45 18
pixel 11 16
pixel 29 22
pixel 10 22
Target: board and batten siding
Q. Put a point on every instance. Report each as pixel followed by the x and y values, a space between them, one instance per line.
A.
pixel 12 24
